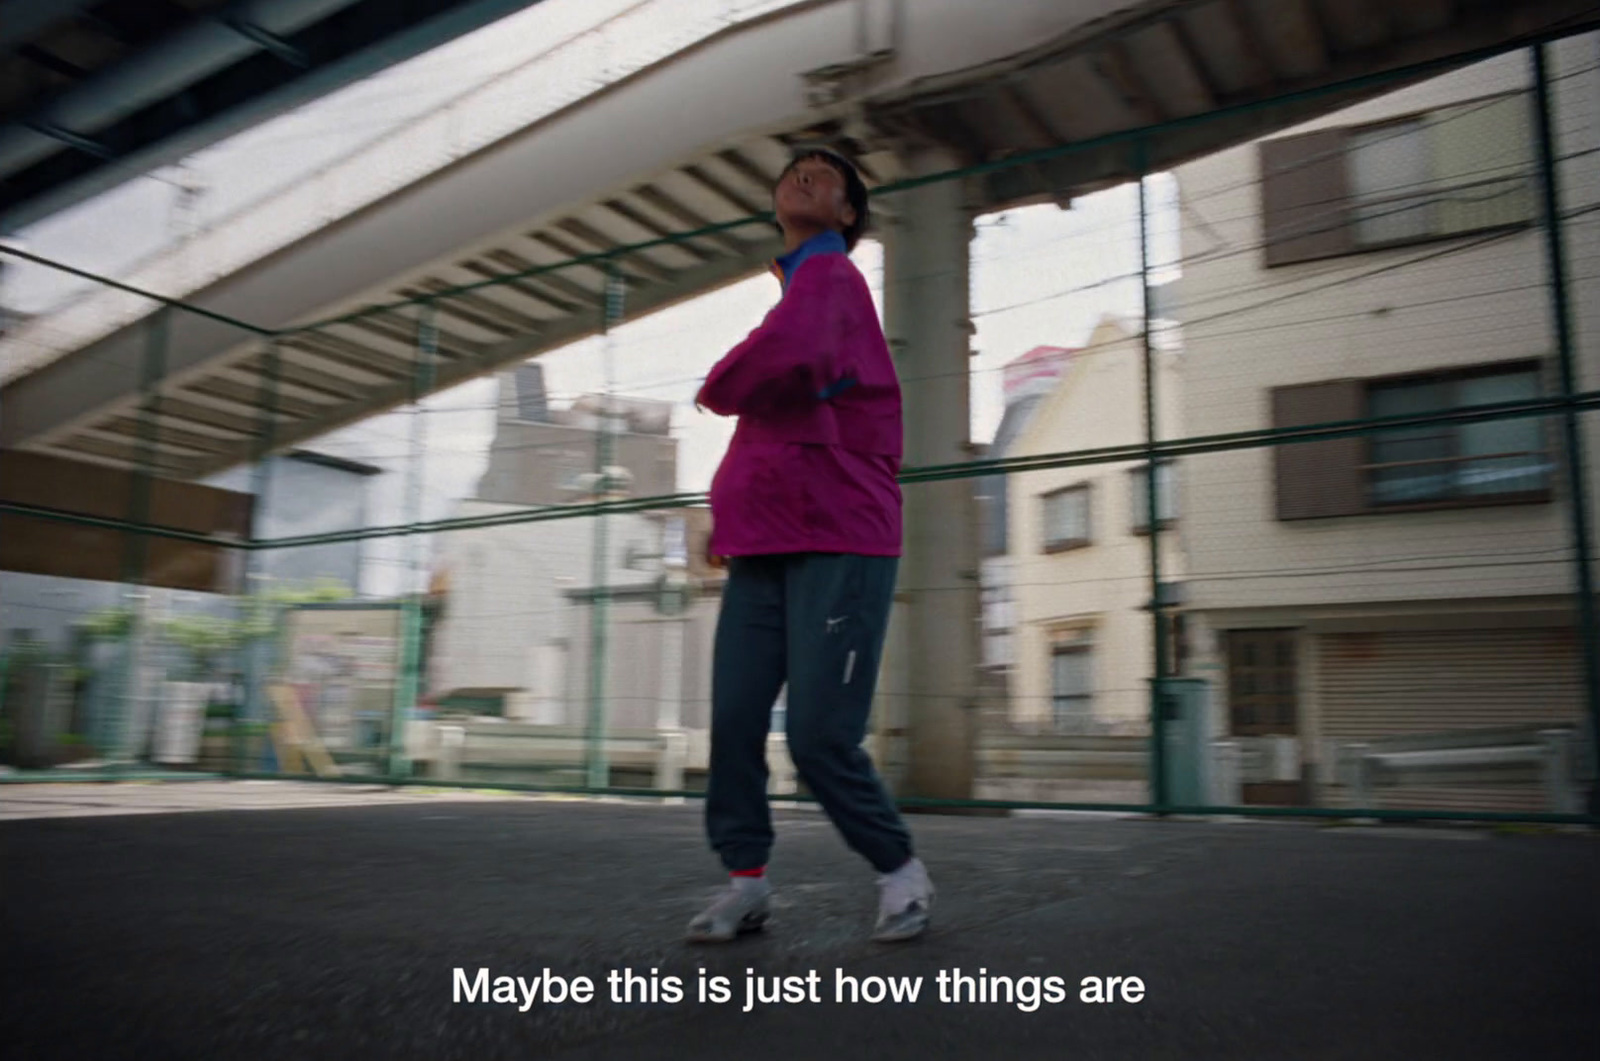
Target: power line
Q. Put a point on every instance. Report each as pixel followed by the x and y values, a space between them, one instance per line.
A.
pixel 610 254
pixel 498 448
pixel 1094 285
pixel 1105 281
pixel 1337 281
pixel 1490 557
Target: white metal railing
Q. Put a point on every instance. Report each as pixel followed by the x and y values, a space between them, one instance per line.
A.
pixel 1366 766
pixel 637 37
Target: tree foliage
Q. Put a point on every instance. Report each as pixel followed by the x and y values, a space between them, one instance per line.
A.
pixel 206 637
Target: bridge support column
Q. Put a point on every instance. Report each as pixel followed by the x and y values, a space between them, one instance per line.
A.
pixel 927 322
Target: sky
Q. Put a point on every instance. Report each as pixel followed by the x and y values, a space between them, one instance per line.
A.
pixel 140 217
pixel 1040 275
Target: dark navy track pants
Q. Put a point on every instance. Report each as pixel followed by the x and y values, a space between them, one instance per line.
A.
pixel 816 621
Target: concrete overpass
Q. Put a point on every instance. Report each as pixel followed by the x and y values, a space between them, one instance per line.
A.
pixel 94 93
pixel 693 141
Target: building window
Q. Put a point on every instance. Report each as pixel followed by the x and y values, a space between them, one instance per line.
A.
pixel 1456 462
pixel 1261 682
pixel 1072 687
pixel 1166 496
pixel 1459 169
pixel 1066 518
pixel 1176 629
pixel 1390 197
pixel 1444 466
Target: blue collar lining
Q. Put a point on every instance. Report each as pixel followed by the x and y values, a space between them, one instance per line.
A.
pixel 829 242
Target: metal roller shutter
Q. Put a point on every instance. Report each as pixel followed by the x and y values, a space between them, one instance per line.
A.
pixel 1435 681
pixel 1451 682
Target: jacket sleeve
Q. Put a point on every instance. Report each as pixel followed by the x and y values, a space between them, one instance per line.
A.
pixel 791 360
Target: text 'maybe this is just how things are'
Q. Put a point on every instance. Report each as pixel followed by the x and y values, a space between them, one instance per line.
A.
pixel 947 987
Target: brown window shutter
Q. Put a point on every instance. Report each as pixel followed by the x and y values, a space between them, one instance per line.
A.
pixel 1323 478
pixel 1305 198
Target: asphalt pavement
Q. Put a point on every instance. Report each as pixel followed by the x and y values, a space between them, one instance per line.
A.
pixel 336 931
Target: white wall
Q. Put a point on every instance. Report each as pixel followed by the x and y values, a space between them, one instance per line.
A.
pixel 1480 305
pixel 506 613
pixel 999 610
pixel 1103 586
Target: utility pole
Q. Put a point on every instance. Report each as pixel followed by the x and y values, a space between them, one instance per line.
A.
pixel 1159 687
pixel 1571 426
pixel 599 770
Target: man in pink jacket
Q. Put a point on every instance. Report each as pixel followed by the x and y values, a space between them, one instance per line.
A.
pixel 806 511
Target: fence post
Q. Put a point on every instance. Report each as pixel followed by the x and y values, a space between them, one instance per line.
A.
pixel 451 741
pixel 257 626
pixel 779 767
pixel 674 759
pixel 1159 795
pixel 138 701
pixel 1572 431
pixel 1358 774
pixel 1556 771
pixel 408 687
pixel 1225 782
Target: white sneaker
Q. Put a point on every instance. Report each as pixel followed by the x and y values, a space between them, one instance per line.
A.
pixel 741 908
pixel 905 903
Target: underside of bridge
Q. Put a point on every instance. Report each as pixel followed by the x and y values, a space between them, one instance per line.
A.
pixel 1245 67
pixel 93 92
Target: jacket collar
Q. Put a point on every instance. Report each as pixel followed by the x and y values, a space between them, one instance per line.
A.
pixel 829 242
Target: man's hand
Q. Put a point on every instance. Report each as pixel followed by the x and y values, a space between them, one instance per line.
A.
pixel 711 558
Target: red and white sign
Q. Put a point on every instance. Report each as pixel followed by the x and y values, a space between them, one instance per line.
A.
pixel 1035 372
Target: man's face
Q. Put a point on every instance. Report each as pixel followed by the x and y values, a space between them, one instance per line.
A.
pixel 811 194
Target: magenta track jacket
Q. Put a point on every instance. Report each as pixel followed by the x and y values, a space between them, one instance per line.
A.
pixel 813 463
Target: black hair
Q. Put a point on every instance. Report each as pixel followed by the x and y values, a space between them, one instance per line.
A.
pixel 855 190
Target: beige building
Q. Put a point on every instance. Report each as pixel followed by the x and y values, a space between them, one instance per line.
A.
pixel 1409 591
pixel 1079 546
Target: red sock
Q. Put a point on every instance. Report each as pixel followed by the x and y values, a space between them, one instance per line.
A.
pixel 759 871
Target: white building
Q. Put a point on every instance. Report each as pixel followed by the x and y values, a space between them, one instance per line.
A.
pixel 1383 260
pixel 501 641
pixel 507 620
